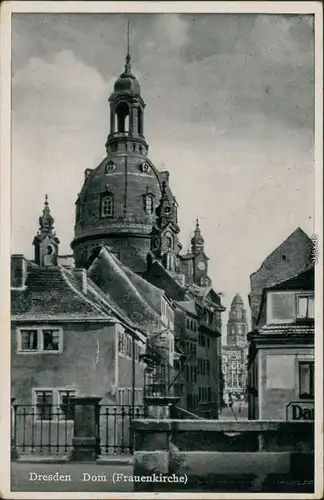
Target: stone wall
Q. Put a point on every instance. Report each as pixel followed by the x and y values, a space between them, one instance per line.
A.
pixel 247 456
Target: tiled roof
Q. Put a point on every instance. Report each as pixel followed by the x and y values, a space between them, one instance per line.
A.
pixel 51 291
pixel 161 278
pixel 188 305
pixel 108 274
pixel 151 293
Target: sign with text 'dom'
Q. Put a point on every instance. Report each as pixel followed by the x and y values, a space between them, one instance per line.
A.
pixel 300 410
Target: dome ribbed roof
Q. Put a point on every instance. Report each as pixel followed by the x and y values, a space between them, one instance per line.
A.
pixel 127 83
pixel 237 299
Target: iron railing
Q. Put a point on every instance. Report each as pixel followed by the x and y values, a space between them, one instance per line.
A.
pixel 115 428
pixel 46 429
pixel 42 428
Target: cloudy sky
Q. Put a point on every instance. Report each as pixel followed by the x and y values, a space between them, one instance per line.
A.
pixel 229 113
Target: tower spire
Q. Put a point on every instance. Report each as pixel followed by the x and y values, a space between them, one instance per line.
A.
pixel 46 220
pixel 197 241
pixel 128 57
pixel 46 242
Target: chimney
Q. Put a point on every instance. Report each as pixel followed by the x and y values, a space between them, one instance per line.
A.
pixel 18 271
pixel 81 276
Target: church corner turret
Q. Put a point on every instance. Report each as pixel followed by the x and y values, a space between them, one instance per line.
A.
pixel 46 242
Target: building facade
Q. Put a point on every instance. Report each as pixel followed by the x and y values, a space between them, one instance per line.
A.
pixel 128 267
pixel 281 349
pixel 234 354
pixel 101 318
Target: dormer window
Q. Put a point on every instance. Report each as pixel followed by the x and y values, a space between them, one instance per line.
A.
pixel 107 205
pixel 288 307
pixel 110 167
pixel 145 167
pixel 148 204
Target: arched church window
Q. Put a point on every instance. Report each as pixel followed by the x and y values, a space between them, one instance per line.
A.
pixel 122 113
pixel 169 240
pixel 107 205
pixel 148 204
pixel 140 121
pixel 110 167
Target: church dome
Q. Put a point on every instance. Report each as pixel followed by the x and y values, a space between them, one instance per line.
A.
pixel 127 83
pixel 133 187
pixel 117 203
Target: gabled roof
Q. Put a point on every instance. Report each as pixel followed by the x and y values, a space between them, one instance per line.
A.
pixel 206 292
pixel 151 293
pixel 300 281
pixel 188 305
pixel 118 284
pixel 161 278
pixel 297 236
pixel 50 292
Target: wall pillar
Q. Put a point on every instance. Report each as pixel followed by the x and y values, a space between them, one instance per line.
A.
pixel 14 454
pixel 86 434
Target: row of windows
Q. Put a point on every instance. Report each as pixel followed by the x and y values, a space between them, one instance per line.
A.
pixel 191 373
pixel 204 394
pixel 111 167
pixel 233 366
pixel 204 340
pixel 136 148
pixel 125 346
pixel 42 340
pixel 235 381
pixel 191 325
pixel 203 366
pixel 107 205
pixel 190 347
pixel 125 396
pixel 53 404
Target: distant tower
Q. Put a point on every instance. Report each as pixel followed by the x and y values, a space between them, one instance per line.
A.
pixel 46 242
pixel 237 326
pixel 200 268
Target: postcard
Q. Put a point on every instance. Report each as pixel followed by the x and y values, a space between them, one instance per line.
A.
pixel 161 236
